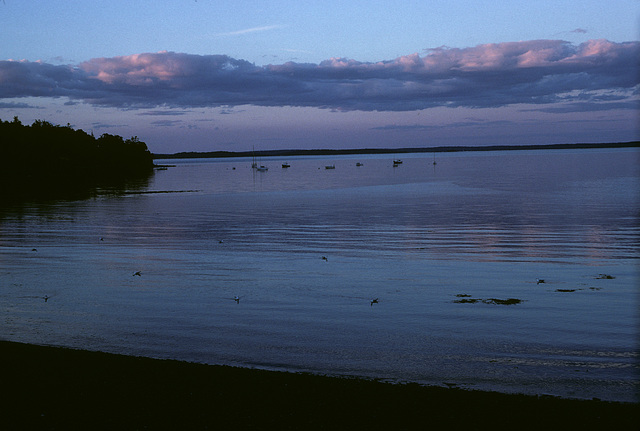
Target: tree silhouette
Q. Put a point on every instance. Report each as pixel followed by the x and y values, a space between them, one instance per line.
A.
pixel 46 158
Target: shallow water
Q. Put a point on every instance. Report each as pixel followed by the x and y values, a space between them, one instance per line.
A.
pixel 416 236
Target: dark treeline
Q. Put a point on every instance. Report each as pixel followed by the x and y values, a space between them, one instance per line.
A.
pixel 46 160
pixel 442 149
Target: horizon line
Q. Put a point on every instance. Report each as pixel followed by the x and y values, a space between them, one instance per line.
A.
pixel 438 149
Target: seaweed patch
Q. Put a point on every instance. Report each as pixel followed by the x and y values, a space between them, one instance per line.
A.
pixel 466 299
pixel 510 301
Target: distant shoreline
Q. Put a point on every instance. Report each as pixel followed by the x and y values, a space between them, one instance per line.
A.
pixel 440 149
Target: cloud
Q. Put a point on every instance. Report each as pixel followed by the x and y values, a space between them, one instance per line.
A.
pixel 17 105
pixel 457 124
pixel 250 30
pixel 542 72
pixel 230 111
pixel 166 123
pixel 159 113
pixel 101 125
pixel 588 107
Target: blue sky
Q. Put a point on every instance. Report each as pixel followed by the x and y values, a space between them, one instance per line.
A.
pixel 208 75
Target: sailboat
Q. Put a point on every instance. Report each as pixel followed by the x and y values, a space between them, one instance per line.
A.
pixel 254 164
pixel 434 159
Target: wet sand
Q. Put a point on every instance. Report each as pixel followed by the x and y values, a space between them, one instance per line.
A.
pixel 64 389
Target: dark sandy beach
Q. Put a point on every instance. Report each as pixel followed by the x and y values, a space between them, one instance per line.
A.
pixel 57 388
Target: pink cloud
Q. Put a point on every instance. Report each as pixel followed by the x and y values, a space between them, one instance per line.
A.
pixel 601 48
pixel 501 56
pixel 137 69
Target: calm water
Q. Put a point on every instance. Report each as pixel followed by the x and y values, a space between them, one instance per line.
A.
pixel 430 242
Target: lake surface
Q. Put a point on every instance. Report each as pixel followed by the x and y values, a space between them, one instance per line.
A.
pixel 451 251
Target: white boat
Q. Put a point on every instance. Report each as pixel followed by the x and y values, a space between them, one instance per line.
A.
pixel 397 162
pixel 359 164
pixel 261 168
pixel 330 167
pixel 286 165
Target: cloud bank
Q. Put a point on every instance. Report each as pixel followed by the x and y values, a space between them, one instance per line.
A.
pixel 541 72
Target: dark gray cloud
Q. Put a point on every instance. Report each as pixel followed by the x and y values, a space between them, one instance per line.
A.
pixel 587 107
pixel 457 124
pixel 540 72
pixel 166 123
pixel 579 30
pixel 18 105
pixel 160 113
pixel 101 125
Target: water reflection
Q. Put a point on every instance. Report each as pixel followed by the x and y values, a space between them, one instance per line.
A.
pixel 437 217
pixel 45 197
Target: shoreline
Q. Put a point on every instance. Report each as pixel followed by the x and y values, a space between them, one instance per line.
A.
pixel 54 387
pixel 337 152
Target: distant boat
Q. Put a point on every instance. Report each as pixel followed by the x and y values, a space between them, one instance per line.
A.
pixel 254 164
pixel 397 162
pixel 286 165
pixel 434 159
pixel 330 167
pixel 359 164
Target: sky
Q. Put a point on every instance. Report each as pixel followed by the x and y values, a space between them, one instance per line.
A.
pixel 204 75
